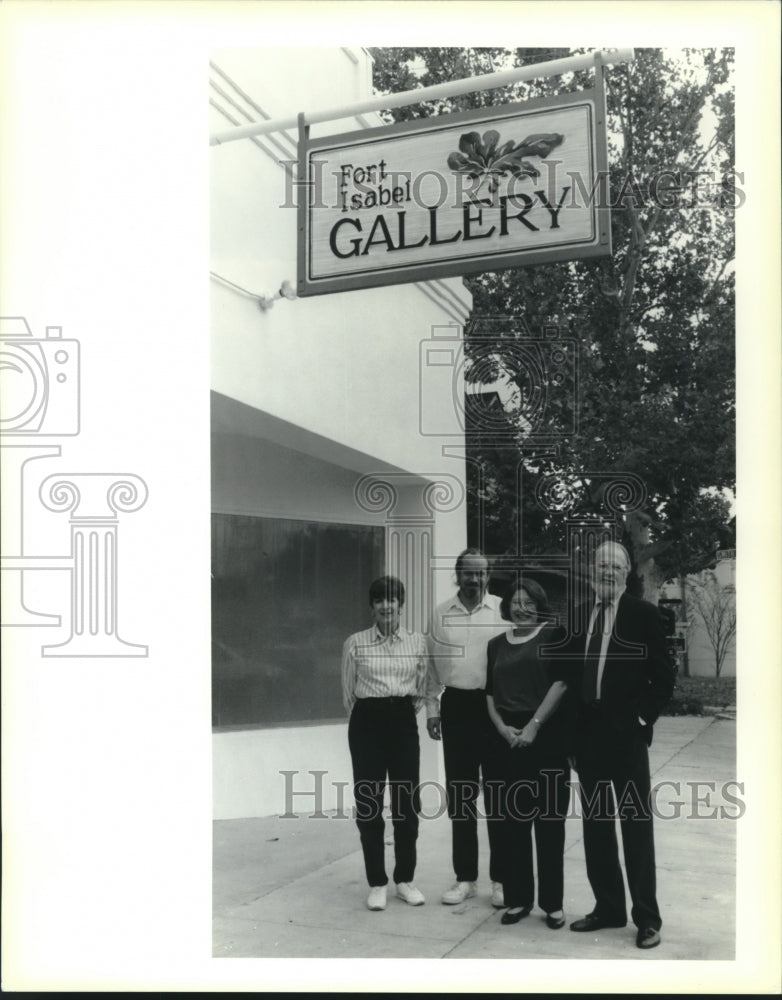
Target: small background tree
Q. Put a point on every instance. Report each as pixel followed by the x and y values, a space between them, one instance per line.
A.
pixel 716 608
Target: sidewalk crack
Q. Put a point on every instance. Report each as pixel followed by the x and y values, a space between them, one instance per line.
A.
pixel 467 935
pixel 683 747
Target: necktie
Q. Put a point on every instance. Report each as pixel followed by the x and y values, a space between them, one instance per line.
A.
pixel 592 657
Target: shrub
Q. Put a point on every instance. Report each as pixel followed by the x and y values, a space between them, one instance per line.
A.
pixel 692 693
pixel 683 705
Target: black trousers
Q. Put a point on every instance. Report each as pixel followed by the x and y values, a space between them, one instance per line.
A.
pixel 535 797
pixel 383 741
pixel 469 752
pixel 613 771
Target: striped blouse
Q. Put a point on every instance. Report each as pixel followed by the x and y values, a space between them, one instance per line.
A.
pixel 375 665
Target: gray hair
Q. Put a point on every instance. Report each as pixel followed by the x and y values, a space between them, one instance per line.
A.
pixel 615 545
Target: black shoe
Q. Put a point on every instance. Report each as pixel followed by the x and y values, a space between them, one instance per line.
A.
pixel 514 918
pixel 592 922
pixel 555 923
pixel 647 937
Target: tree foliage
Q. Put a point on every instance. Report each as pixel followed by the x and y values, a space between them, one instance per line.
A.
pixel 654 323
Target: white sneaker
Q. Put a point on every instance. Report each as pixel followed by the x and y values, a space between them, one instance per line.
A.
pixel 497 895
pixel 410 894
pixel 458 892
pixel 376 900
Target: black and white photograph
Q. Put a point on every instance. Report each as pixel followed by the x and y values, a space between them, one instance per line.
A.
pixel 390 439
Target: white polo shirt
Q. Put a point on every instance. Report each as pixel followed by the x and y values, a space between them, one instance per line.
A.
pixel 457 645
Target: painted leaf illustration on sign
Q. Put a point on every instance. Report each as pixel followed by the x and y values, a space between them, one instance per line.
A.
pixel 484 158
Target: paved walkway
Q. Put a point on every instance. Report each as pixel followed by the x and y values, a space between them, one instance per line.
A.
pixel 294 888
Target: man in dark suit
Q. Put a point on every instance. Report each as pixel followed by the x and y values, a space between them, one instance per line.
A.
pixel 623 677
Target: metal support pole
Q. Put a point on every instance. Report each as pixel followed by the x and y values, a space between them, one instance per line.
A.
pixel 554 67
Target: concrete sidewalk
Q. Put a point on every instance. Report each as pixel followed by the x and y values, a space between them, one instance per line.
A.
pixel 295 888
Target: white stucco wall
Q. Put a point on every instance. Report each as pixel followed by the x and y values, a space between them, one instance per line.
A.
pixel 315 393
pixel 248 768
pixel 344 365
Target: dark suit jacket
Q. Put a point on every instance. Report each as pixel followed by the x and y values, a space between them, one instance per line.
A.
pixel 638 676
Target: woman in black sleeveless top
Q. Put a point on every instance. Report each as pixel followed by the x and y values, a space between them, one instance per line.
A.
pixel 530 712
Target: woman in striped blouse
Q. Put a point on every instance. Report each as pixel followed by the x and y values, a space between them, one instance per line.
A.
pixel 383 683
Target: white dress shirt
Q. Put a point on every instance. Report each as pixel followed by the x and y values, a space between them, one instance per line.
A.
pixel 608 627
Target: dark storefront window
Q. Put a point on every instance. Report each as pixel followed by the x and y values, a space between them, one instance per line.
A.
pixel 285 596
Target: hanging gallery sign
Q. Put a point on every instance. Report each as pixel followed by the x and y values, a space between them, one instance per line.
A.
pixel 453 194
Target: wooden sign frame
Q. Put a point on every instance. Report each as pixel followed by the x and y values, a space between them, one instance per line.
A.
pixel 339 172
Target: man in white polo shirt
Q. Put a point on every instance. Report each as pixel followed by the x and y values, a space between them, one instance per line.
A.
pixel 460 630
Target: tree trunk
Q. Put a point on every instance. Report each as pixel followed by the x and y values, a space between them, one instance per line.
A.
pixel 684 618
pixel 650 576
